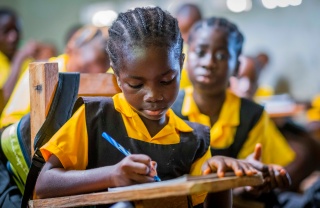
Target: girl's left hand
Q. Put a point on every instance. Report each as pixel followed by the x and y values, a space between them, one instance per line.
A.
pixel 222 164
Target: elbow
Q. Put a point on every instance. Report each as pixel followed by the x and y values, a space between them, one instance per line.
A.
pixel 42 187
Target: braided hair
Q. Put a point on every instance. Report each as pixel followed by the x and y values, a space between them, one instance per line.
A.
pixel 235 37
pixel 88 34
pixel 142 27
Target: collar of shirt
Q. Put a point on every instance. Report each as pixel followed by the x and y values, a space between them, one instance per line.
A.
pixel 222 132
pixel 137 130
pixel 229 115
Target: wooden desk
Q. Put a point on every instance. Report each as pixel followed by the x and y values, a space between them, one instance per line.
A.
pixel 290 113
pixel 151 194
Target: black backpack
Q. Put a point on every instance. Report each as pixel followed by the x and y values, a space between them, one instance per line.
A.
pixel 60 111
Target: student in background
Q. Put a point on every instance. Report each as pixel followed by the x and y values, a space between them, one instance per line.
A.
pixel 245 84
pixel 84 53
pixel 145 50
pixel 187 14
pixel 236 125
pixel 300 140
pixel 46 50
pixel 12 60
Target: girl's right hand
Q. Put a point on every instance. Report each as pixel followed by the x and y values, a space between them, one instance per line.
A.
pixel 133 169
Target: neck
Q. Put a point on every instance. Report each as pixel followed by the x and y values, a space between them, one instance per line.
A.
pixel 210 104
pixel 154 126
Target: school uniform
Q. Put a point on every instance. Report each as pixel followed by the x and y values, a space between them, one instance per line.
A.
pixel 181 146
pixel 19 103
pixel 222 134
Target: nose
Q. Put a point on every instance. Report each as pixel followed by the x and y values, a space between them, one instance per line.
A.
pixel 153 94
pixel 12 36
pixel 208 61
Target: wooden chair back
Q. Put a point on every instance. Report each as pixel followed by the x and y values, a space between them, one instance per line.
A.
pixel 43 82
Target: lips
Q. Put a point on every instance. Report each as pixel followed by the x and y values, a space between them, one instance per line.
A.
pixel 154 112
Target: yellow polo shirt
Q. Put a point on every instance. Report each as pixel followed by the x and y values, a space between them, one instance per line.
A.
pixel 19 102
pixel 313 114
pixel 5 68
pixel 275 149
pixel 70 143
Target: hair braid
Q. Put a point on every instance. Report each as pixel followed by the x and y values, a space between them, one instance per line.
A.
pixel 234 35
pixel 142 27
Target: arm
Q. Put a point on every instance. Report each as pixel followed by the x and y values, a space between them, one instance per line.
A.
pixel 56 181
pixel 27 51
pixel 67 157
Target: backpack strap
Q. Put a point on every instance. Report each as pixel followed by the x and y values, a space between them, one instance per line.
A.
pixel 59 112
pixel 177 105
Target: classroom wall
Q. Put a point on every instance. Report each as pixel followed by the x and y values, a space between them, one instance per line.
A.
pixel 291 36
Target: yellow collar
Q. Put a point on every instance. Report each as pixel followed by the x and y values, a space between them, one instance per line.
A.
pixel 174 123
pixel 229 114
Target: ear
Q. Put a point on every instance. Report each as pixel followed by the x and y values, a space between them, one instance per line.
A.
pixel 68 50
pixel 118 82
pixel 182 58
pixel 236 69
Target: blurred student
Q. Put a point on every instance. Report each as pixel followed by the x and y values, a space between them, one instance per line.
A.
pixel 84 53
pixel 302 142
pixel 236 124
pixel 187 14
pixel 12 60
pixel 46 50
pixel 245 84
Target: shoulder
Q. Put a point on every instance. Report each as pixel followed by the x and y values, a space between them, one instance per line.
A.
pixel 250 107
pixel 92 103
pixel 199 131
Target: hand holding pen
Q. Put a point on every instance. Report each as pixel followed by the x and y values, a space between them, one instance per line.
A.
pixel 153 164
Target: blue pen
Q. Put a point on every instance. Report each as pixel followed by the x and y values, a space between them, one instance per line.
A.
pixel 121 149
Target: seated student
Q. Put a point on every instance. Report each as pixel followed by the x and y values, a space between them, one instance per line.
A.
pixel 145 48
pixel 187 14
pixel 84 53
pixel 297 136
pixel 237 125
pixel 12 60
pixel 46 50
pixel 245 84
pixel 306 148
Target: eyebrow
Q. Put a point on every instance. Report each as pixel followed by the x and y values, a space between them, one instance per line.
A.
pixel 163 74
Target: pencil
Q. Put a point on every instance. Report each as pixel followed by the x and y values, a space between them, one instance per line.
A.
pixel 121 149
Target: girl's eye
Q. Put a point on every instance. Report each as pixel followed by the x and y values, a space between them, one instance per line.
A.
pixel 200 52
pixel 221 56
pixel 135 86
pixel 167 82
